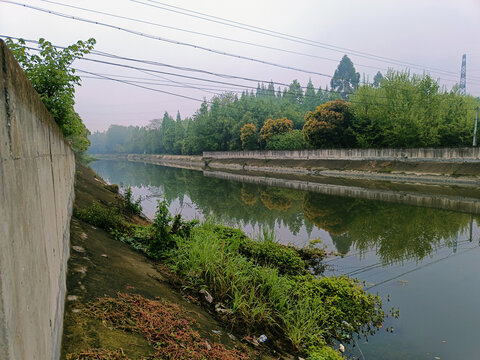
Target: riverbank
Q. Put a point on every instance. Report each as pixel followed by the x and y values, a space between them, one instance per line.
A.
pixel 105 268
pixel 460 167
pixel 252 287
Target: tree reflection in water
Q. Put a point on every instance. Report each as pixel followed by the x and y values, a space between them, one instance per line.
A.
pixel 398 232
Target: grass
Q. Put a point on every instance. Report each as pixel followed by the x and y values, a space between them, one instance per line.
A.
pixel 108 218
pixel 268 289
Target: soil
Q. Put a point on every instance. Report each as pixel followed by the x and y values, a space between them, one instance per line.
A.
pixel 100 265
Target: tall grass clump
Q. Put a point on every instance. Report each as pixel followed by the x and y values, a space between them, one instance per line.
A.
pixel 268 288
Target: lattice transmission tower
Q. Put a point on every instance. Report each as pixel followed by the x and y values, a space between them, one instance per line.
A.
pixel 463 76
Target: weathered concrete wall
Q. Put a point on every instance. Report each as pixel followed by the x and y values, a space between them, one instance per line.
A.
pixel 37 170
pixel 417 155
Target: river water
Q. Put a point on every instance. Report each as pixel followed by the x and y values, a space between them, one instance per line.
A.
pixel 423 260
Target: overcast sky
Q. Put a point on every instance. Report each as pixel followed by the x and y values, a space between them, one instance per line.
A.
pixel 432 34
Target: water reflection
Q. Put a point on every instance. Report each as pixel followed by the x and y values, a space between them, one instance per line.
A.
pixel 398 232
pixel 425 258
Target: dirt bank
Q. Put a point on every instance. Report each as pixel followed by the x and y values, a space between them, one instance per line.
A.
pixel 100 265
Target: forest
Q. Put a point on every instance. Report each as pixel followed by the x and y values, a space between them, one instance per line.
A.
pixel 398 109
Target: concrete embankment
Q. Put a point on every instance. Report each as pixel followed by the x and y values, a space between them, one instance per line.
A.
pixel 459 166
pixel 179 161
pixel 446 166
pixel 36 193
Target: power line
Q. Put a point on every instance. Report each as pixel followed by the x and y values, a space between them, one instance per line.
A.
pixel 143 87
pixel 149 36
pixel 285 36
pixel 205 34
pixel 153 72
pixel 136 80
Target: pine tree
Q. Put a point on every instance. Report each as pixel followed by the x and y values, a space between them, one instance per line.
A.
pixel 345 80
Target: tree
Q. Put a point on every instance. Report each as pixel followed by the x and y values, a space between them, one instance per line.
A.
pixel 292 140
pixel 54 79
pixel 275 127
pixel 346 79
pixel 411 111
pixel 310 99
pixel 295 93
pixel 249 137
pixel 329 126
pixel 377 79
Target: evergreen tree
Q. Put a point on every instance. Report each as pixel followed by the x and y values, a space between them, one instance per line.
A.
pixel 377 79
pixel 345 80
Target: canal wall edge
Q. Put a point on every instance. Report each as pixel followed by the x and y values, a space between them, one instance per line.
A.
pixel 37 168
pixel 464 154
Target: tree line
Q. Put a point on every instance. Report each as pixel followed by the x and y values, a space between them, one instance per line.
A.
pixel 397 110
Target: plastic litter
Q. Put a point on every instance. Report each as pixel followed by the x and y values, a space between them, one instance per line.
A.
pixel 262 338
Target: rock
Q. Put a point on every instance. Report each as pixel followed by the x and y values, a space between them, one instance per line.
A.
pixel 78 249
pixel 222 310
pixel 217 332
pixel 207 296
pixel 104 255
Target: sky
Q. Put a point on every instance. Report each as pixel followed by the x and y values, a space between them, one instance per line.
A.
pixel 310 36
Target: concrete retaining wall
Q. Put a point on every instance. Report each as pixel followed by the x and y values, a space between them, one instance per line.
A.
pixel 417 155
pixel 37 169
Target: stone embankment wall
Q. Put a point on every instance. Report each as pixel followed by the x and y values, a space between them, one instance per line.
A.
pixel 37 168
pixel 417 155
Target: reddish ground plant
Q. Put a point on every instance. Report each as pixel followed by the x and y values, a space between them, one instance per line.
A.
pixel 98 354
pixel 164 324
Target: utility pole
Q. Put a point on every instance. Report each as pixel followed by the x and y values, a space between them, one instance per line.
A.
pixel 475 127
pixel 463 76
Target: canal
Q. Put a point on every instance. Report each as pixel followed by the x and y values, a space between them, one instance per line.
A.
pixel 422 260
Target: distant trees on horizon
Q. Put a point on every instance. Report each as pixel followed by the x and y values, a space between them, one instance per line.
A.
pixel 397 110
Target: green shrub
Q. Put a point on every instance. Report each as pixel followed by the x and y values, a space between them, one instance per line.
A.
pixel 107 218
pixel 305 310
pixel 132 205
pixel 269 253
pixel 292 140
pixel 163 234
pixel 324 353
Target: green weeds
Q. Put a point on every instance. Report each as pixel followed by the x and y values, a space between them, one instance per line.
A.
pixel 131 205
pixel 267 286
pixel 274 297
pixel 108 218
